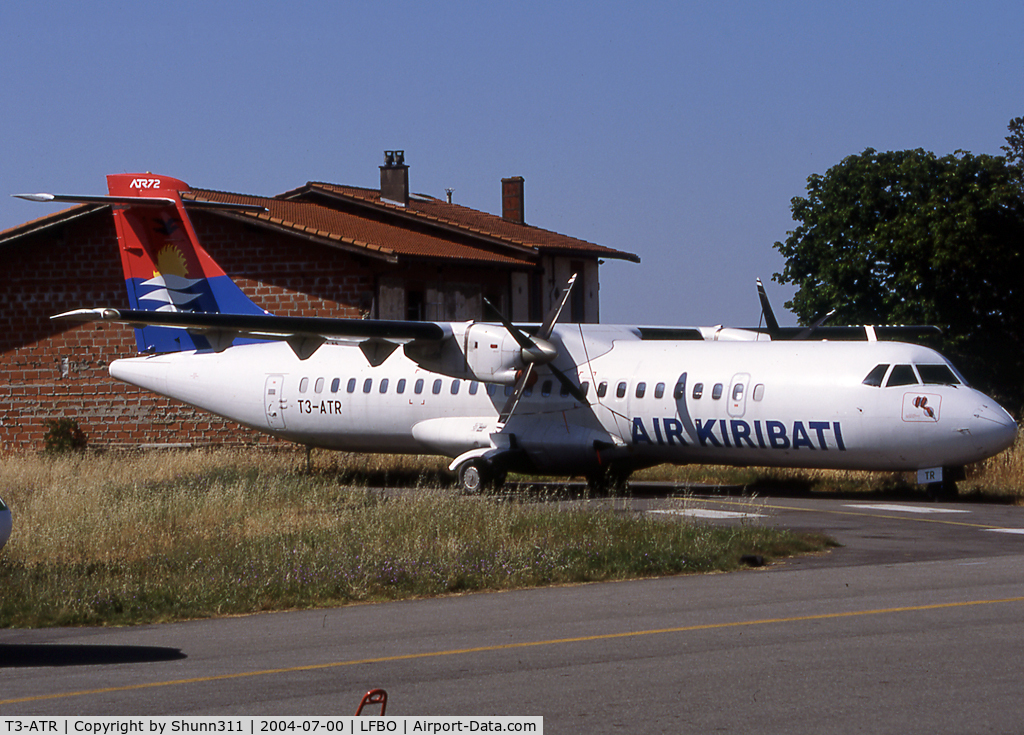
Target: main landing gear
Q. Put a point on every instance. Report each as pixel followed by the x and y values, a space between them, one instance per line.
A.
pixel 478 476
pixel 608 480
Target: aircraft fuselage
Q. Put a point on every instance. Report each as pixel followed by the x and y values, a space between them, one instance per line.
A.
pixel 797 404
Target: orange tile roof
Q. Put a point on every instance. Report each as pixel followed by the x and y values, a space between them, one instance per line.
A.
pixel 49 220
pixel 367 235
pixel 436 212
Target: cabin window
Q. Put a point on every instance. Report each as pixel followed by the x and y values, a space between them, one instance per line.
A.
pixel 545 388
pixel 602 389
pixel 491 389
pixel 528 391
pixel 384 385
pixel 564 391
pixel 418 388
pixel 367 385
pixel 318 387
pixel 716 392
pixel 335 385
pixel 508 390
pixel 937 375
pixel 436 389
pixel 473 387
pixel 737 391
pixel 759 392
pixel 400 388
pixel 641 389
pixel 303 385
pixel 680 388
pixel 698 390
pixel 659 390
pixel 585 388
pixel 620 390
pixel 351 387
pixel 902 375
pixel 874 378
pixel 455 387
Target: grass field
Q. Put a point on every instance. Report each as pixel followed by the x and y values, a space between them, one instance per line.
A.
pixel 125 538
pixel 142 537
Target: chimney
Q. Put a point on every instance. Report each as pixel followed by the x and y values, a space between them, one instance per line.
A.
pixel 512 208
pixel 394 178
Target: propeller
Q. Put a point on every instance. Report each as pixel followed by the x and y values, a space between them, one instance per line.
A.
pixel 772 324
pixel 538 350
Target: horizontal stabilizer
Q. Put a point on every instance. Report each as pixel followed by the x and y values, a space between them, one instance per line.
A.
pixel 136 201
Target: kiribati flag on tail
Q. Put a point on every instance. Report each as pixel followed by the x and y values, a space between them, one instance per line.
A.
pixel 165 267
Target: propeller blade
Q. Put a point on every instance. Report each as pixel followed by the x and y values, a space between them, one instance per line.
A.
pixel 806 334
pixel 552 316
pixel 521 337
pixel 769 316
pixel 574 390
pixel 513 400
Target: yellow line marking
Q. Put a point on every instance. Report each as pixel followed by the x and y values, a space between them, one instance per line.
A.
pixel 511 646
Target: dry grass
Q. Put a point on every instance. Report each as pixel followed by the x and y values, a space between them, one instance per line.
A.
pixel 170 535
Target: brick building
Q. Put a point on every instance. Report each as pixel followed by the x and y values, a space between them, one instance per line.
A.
pixel 319 250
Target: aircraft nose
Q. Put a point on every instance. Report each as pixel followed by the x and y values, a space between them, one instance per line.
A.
pixel 993 427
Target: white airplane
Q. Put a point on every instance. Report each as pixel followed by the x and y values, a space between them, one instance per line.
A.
pixel 560 399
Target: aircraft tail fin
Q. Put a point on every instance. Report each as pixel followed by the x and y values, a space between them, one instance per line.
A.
pixel 165 267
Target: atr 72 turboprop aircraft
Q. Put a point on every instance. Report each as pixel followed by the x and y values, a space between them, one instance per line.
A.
pixel 572 399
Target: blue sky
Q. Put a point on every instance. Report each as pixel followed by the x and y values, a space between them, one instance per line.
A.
pixel 678 131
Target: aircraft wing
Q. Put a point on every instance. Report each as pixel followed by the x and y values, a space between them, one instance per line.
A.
pixel 303 333
pixel 896 332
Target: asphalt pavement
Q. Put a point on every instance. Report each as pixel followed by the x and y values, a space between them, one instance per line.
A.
pixel 915 624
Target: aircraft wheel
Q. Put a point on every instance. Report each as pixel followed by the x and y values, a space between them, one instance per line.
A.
pixel 942 492
pixel 474 477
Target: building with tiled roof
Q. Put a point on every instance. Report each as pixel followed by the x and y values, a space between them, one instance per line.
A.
pixel 318 250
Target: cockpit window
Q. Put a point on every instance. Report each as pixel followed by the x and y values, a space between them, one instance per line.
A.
pixel 902 375
pixel 874 378
pixel 937 375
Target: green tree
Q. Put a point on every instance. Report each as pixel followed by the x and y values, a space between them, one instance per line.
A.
pixel 1014 150
pixel 907 237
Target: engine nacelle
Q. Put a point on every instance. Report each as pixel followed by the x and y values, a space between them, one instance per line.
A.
pixel 475 351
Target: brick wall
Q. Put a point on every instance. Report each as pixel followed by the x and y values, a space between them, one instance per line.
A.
pixel 51 370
